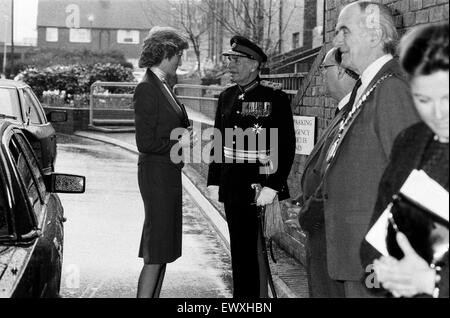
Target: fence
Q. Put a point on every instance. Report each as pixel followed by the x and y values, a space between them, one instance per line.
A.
pixel 111 110
pixel 204 99
pixel 200 98
pixel 111 107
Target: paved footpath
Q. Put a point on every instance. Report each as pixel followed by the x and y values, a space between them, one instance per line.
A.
pixel 289 275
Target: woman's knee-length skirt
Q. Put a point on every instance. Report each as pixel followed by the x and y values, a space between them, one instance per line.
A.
pixel 161 190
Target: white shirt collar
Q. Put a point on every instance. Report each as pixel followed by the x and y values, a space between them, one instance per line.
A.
pixel 369 74
pixel 344 101
pixel 159 73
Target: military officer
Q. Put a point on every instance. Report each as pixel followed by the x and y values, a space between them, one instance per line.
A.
pixel 257 145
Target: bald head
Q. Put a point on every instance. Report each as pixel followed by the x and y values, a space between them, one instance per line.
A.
pixel 338 80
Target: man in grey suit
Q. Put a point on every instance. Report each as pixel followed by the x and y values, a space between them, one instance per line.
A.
pixel 358 154
pixel 339 82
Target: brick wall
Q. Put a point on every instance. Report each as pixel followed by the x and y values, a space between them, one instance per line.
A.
pixel 407 13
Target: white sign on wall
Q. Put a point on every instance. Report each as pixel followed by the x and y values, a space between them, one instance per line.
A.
pixel 305 130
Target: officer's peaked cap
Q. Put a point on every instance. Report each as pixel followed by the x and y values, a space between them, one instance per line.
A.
pixel 241 46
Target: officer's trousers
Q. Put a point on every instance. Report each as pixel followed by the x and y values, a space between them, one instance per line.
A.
pixel 242 219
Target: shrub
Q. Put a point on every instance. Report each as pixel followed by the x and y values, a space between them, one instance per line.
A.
pixel 74 79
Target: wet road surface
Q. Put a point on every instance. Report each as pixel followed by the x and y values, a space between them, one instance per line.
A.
pixel 104 225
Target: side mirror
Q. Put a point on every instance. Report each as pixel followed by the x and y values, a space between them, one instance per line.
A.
pixel 57 116
pixel 65 183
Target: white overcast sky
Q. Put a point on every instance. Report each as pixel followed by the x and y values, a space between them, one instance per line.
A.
pixel 25 16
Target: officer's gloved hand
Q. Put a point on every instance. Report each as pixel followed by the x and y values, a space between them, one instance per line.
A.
pixel 214 192
pixel 266 196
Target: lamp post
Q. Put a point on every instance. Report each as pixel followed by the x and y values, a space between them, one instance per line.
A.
pixel 4 45
pixel 91 19
pixel 12 39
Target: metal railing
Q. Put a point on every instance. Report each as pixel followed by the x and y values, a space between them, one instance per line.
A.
pixel 193 96
pixel 200 98
pixel 100 123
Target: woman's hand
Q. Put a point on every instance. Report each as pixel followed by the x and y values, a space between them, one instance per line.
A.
pixel 408 277
pixel 188 139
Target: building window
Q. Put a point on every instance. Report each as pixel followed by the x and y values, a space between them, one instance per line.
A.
pixel 51 34
pixel 295 40
pixel 318 38
pixel 80 35
pixel 127 37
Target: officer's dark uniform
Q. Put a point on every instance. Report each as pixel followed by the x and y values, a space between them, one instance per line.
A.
pixel 257 107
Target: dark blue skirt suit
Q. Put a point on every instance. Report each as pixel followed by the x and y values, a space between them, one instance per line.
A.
pixel 157 114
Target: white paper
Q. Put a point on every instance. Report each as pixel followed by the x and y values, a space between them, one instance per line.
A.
pixel 378 233
pixel 426 192
pixel 422 190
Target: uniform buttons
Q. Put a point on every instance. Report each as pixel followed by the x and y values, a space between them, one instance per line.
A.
pixel 325 196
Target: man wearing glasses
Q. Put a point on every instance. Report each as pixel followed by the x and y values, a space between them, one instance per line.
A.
pixel 339 82
pixel 257 140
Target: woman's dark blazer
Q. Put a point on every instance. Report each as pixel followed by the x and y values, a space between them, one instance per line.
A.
pixel 156 116
pixel 406 156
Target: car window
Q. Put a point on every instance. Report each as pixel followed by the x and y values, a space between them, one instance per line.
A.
pixel 37 104
pixel 31 109
pixel 29 172
pixel 9 102
pixel 3 208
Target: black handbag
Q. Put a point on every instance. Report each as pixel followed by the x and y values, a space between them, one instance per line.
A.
pixel 426 231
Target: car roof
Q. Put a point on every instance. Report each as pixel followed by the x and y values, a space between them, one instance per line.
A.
pixel 12 84
pixel 4 123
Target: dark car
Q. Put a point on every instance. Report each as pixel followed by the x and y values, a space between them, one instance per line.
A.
pixel 18 103
pixel 31 219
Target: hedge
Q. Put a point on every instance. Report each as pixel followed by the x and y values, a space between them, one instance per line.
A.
pixel 74 79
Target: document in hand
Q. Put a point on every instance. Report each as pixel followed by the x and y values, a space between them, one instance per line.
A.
pixel 420 193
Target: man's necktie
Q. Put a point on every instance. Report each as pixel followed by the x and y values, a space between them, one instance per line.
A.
pixel 348 107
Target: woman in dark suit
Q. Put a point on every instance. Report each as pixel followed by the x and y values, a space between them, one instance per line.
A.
pixel 157 114
pixel 424 146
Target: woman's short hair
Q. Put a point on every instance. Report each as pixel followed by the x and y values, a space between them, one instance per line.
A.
pixel 424 50
pixel 161 43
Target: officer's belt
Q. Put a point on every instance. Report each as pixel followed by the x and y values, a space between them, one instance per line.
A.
pixel 250 155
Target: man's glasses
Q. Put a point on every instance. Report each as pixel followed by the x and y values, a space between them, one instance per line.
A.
pixel 236 59
pixel 323 67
